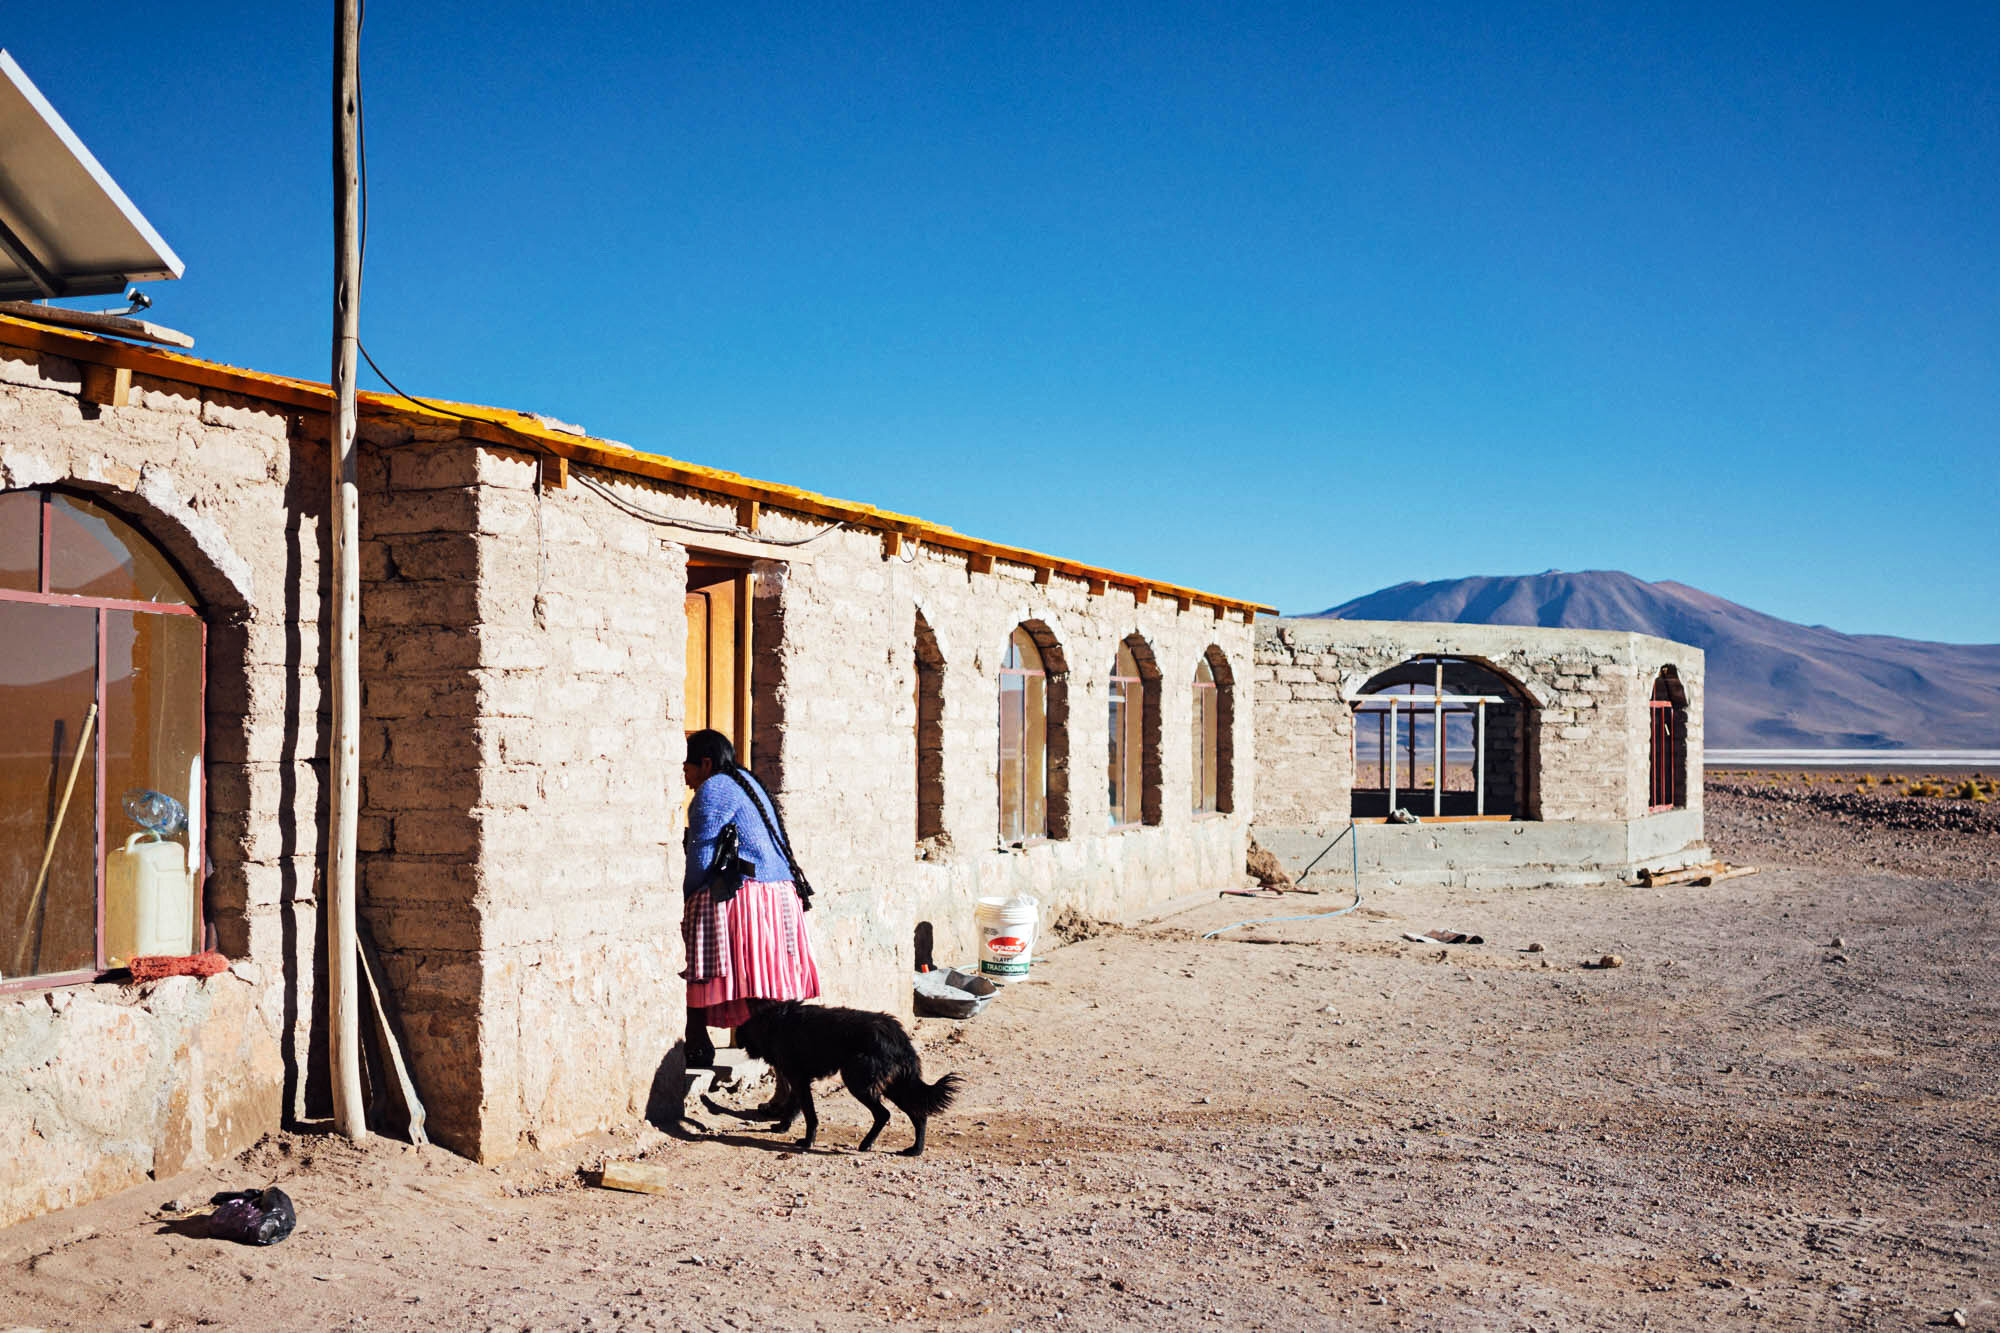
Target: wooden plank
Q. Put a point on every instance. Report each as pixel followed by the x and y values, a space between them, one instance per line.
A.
pixel 381 1008
pixel 1220 610
pixel 1096 587
pixel 892 545
pixel 1141 595
pixel 1043 574
pixel 640 1178
pixel 109 386
pixel 979 563
pixel 555 471
pixel 119 326
pixel 748 512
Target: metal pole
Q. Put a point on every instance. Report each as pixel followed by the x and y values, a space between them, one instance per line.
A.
pixel 1437 743
pixel 1392 755
pixel 1479 759
pixel 342 948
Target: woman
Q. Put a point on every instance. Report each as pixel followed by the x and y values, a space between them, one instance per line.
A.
pixel 746 945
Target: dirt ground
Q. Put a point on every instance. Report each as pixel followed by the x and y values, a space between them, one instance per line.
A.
pixel 1782 1111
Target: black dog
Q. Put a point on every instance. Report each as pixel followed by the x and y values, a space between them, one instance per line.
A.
pixel 871 1053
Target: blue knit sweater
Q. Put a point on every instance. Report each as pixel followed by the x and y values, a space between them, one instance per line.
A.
pixel 719 802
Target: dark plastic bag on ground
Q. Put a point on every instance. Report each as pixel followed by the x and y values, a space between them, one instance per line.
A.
pixel 253 1217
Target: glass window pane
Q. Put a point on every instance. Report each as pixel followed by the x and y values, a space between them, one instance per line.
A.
pixel 1035 759
pixel 152 739
pixel 94 553
pixel 1011 714
pixel 1117 756
pixel 48 681
pixel 21 540
pixel 1211 750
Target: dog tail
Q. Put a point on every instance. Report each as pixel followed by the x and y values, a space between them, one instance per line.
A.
pixel 928 1098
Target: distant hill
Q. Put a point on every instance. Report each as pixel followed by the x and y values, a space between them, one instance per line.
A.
pixel 1771 683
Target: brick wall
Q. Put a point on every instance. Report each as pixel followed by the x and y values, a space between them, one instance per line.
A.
pixel 1585 736
pixel 103 1086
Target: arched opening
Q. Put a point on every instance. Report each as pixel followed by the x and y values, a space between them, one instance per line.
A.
pixel 930 732
pixel 102 796
pixel 1034 737
pixel 1666 786
pixel 1214 725
pixel 1134 750
pixel 1444 738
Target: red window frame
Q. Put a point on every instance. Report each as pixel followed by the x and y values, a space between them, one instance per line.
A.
pixel 1666 785
pixel 100 752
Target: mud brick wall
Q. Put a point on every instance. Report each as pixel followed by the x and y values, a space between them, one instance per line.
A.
pixel 1587 733
pixel 524 672
pixel 102 1086
pixel 522 667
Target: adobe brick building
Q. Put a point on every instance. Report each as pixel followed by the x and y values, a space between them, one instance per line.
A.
pixel 1570 756
pixel 544 616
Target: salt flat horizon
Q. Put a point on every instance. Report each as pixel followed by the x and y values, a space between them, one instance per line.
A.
pixel 1852 758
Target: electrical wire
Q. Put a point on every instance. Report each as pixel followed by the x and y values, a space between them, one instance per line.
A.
pixel 639 511
pixel 1354 860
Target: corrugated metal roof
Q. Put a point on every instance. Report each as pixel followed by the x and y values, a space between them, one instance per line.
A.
pixel 526 430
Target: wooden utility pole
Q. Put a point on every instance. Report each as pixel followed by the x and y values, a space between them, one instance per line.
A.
pixel 342 949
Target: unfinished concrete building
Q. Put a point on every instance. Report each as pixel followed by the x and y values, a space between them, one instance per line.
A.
pixel 545 615
pixel 1525 756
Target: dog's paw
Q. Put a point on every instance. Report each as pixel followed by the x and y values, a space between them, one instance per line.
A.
pixel 912 1151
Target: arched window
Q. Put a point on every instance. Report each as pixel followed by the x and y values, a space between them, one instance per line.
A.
pixel 1666 787
pixel 1445 738
pixel 930 732
pixel 1024 741
pixel 1128 709
pixel 1214 716
pixel 101 669
pixel 1205 736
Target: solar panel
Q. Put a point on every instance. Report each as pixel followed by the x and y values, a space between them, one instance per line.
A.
pixel 66 229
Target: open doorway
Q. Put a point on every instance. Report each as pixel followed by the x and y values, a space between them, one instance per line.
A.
pixel 717 692
pixel 1444 737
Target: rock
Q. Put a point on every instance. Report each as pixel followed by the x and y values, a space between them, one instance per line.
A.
pixel 1956 1318
pixel 1839 943
pixel 1536 947
pixel 1840 958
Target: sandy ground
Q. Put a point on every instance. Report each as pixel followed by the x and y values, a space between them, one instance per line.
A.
pixel 1307 1124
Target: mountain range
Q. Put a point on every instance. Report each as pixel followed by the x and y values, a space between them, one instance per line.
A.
pixel 1771 683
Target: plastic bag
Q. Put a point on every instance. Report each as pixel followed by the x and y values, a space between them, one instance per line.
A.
pixel 252 1217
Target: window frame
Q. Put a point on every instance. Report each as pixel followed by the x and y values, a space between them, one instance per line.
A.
pixel 100 745
pixel 1018 639
pixel 1207 752
pixel 1126 761
pixel 1666 744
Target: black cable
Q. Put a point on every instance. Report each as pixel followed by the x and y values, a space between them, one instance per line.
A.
pixel 398 391
pixel 667 521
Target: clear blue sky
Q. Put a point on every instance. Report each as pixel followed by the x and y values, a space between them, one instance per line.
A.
pixel 1286 302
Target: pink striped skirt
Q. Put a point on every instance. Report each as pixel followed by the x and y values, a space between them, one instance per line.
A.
pixel 763 953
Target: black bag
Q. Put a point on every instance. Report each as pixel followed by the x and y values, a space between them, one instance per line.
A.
pixel 252 1217
pixel 728 870
pixel 777 832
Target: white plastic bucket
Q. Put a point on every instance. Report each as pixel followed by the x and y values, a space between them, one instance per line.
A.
pixel 1006 935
